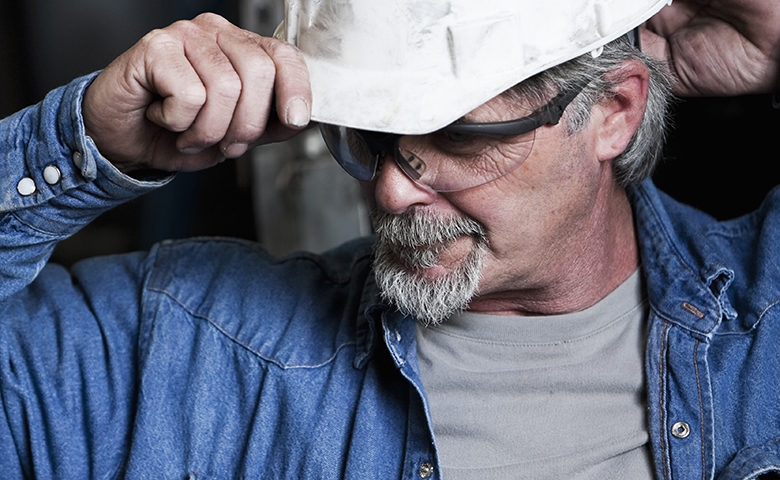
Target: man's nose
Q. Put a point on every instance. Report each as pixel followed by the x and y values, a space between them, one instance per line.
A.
pixel 395 192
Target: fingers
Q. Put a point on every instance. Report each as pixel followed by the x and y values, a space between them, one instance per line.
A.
pixel 672 18
pixel 172 77
pixel 218 83
pixel 274 77
pixel 293 92
pixel 718 47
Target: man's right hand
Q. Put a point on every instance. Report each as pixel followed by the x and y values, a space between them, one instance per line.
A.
pixel 188 96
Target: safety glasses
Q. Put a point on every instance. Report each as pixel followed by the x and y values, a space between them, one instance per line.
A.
pixel 457 157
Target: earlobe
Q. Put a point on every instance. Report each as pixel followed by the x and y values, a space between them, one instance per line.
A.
pixel 621 113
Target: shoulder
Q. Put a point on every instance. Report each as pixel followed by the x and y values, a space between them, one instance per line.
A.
pixel 737 257
pixel 295 310
pixel 693 233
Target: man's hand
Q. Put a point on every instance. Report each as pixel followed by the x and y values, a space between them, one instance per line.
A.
pixel 197 92
pixel 718 47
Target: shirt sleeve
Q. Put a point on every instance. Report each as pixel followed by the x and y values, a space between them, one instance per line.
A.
pixel 69 339
pixel 53 181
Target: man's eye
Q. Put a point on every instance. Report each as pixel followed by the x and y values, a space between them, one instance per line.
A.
pixel 457 137
pixel 456 143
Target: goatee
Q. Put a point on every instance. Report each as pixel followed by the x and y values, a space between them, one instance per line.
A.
pixel 413 241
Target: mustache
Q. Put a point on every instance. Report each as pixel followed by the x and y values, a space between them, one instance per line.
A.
pixel 414 228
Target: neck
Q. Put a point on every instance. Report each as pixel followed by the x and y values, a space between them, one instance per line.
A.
pixel 582 271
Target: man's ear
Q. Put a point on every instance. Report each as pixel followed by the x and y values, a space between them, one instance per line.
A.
pixel 620 114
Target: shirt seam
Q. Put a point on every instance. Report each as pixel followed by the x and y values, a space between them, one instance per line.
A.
pixel 169 246
pixel 248 348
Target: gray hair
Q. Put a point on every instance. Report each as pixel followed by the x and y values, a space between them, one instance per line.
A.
pixel 644 150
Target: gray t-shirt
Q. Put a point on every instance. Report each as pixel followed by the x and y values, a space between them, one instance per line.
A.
pixel 559 396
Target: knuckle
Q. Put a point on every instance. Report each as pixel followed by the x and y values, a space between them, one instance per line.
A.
pixel 183 27
pixel 228 86
pixel 283 50
pixel 192 95
pixel 261 69
pixel 209 18
pixel 157 40
pixel 248 131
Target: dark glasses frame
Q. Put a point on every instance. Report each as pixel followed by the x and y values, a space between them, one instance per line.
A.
pixel 379 143
pixel 548 114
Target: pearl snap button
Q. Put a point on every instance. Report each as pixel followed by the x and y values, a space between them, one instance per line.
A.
pixel 25 187
pixel 52 174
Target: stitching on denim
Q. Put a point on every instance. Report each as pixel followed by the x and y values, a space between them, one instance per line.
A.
pixel 755 325
pixel 662 393
pixel 235 340
pixel 692 309
pixel 701 408
pixel 294 257
pixel 761 471
pixel 670 320
pixel 388 329
pixel 771 304
pixel 32 227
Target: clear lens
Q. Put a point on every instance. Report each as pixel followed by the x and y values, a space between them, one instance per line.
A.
pixel 444 164
pixel 350 150
pixel 473 161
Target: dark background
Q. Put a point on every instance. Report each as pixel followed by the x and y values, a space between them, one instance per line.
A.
pixel 720 154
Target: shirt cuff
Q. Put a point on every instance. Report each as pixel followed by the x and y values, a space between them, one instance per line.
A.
pixel 55 179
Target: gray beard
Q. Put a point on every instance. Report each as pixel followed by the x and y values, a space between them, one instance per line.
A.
pixel 398 254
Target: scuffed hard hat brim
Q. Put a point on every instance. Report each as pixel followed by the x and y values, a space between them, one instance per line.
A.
pixel 420 78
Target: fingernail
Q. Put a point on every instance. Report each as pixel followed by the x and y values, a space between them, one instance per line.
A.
pixel 190 150
pixel 234 150
pixel 297 113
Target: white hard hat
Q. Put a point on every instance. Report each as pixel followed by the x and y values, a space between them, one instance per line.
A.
pixel 414 66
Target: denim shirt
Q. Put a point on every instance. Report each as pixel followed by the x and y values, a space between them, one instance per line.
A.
pixel 163 365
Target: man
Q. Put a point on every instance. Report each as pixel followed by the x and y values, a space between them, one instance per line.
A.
pixel 607 332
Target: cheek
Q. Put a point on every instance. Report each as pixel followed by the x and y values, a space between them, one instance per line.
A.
pixel 535 206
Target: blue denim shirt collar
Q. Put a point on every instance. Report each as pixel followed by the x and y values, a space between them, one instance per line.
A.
pixel 368 326
pixel 687 281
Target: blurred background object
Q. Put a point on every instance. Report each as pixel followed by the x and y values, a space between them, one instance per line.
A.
pixel 292 196
pixel 302 198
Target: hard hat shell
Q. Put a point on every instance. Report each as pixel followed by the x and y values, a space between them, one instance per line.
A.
pixel 414 66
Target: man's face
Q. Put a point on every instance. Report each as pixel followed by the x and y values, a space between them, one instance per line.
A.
pixel 488 246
